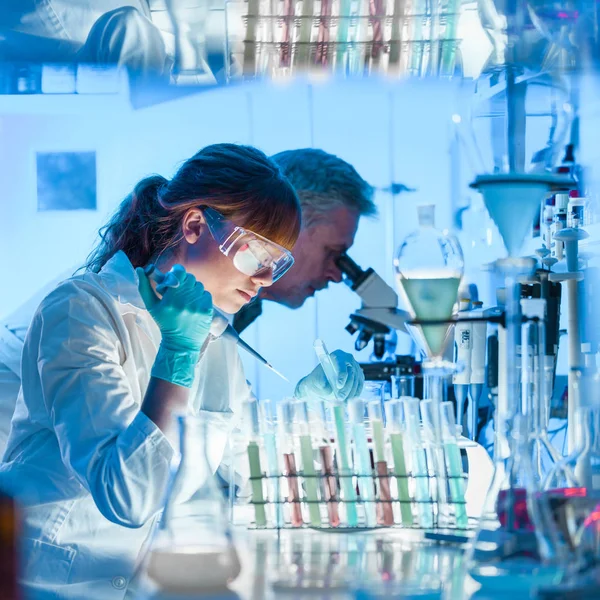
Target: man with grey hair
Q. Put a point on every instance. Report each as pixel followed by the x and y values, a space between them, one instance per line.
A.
pixel 333 197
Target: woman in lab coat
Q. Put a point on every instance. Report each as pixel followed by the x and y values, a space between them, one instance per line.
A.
pixel 108 359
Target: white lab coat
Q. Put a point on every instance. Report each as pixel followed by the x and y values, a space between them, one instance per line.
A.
pixel 12 336
pixel 88 468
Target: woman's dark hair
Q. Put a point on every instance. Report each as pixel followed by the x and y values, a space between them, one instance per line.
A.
pixel 238 181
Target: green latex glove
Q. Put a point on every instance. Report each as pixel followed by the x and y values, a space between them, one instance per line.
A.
pixel 183 314
pixel 350 379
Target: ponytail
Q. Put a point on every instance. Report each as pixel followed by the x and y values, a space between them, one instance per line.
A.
pixel 133 227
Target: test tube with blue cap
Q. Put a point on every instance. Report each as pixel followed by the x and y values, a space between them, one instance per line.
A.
pixel 343 451
pixel 220 326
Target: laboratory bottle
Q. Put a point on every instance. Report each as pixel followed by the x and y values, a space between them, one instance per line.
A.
pixel 193 550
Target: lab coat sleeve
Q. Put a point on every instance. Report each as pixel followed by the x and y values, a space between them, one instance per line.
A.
pixel 114 450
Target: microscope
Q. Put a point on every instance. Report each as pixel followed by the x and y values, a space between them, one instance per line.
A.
pixel 378 317
pixel 379 314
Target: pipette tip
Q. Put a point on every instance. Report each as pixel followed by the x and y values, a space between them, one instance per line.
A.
pixel 277 372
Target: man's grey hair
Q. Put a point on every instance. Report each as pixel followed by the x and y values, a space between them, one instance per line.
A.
pixel 324 183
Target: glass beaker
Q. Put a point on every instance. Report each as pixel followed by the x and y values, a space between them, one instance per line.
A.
pixel 193 550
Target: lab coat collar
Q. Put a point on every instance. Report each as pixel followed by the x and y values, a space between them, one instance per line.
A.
pixel 122 280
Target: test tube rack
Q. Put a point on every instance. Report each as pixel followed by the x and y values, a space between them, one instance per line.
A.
pixel 296 506
pixel 355 38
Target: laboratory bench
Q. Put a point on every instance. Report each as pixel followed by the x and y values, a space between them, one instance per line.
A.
pixel 307 563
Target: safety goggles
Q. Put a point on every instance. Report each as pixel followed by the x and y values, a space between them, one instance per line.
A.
pixel 252 254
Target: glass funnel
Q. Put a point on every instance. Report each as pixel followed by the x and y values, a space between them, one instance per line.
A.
pixel 429 266
pixel 193 550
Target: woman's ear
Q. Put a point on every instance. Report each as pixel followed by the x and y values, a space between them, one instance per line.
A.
pixel 194 225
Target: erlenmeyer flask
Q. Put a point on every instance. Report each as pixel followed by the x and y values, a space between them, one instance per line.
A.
pixel 193 550
pixel 517 546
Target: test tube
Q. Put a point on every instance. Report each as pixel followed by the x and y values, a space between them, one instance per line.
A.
pixel 285 424
pixel 339 417
pixel 419 462
pixel 356 411
pixel 454 465
pixel 386 512
pixel 326 453
pixel 256 474
pixel 273 470
pixel 345 465
pixel 395 421
pixel 437 455
pixel 311 484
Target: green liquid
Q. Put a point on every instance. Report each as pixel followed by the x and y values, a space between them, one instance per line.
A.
pixel 344 466
pixel 457 483
pixel 257 492
pixel 400 471
pixel 432 299
pixel 310 480
pixel 377 426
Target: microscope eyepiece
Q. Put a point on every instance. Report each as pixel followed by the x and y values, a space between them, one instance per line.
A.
pixel 351 270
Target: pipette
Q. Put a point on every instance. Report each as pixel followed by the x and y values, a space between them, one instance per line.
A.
pixel 220 325
pixel 344 459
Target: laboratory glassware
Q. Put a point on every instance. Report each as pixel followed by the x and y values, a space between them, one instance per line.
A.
pixel 269 428
pixel 285 421
pixel 385 512
pixel 344 457
pixel 429 266
pixel 193 549
pixel 418 460
pixel 311 483
pixel 454 465
pixel 396 426
pixel 362 459
pixel 254 461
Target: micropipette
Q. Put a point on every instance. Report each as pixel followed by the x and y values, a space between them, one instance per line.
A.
pixel 220 326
